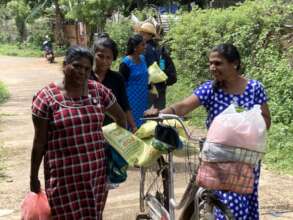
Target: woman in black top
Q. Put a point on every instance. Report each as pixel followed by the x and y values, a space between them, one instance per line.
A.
pixel 105 51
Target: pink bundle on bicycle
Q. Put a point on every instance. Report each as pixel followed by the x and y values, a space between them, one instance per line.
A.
pixel 245 129
pixel 35 207
pixel 230 176
pixel 235 143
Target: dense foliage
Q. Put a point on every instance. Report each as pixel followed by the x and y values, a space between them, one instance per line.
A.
pixel 120 32
pixel 257 29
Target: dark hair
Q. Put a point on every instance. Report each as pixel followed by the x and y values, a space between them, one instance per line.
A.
pixel 133 42
pixel 104 41
pixel 229 52
pixel 76 53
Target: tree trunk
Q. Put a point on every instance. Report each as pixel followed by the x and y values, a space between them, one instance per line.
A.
pixel 59 32
pixel 21 28
pixel 139 4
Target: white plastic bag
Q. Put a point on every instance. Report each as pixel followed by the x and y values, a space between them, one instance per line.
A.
pixel 245 129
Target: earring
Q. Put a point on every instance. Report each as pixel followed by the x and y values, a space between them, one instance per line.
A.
pixel 235 67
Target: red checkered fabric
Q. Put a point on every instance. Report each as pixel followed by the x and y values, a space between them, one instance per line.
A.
pixel 74 163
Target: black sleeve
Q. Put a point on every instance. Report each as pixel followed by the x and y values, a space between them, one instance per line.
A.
pixel 170 69
pixel 123 99
pixel 124 70
pixel 151 54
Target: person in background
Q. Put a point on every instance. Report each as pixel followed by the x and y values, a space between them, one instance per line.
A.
pixel 155 53
pixel 68 118
pixel 105 52
pixel 228 87
pixel 134 70
pixel 47 48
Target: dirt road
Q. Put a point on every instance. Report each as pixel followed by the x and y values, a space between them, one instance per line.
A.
pixel 24 76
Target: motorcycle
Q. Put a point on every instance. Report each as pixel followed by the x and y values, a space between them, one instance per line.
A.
pixel 49 55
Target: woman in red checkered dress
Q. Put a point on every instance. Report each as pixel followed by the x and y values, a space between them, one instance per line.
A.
pixel 68 117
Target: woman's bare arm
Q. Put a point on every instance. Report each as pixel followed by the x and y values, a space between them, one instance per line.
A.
pixel 38 151
pixel 116 112
pixel 266 114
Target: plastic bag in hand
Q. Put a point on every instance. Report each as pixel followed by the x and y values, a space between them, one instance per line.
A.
pixel 156 75
pixel 35 207
pixel 245 129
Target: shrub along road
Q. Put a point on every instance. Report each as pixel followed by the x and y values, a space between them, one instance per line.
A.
pixel 24 76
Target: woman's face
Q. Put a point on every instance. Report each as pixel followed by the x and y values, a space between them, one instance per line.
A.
pixel 104 58
pixel 140 47
pixel 220 68
pixel 77 72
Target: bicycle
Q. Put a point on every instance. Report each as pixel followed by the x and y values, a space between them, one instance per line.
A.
pixel 157 197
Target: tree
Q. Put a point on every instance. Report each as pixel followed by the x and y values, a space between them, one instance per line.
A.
pixel 93 12
pixel 20 11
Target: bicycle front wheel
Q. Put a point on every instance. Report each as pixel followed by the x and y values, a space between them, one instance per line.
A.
pixel 205 209
pixel 156 183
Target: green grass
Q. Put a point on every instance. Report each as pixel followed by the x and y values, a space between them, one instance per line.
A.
pixel 279 154
pixel 4 94
pixel 26 50
pixel 21 50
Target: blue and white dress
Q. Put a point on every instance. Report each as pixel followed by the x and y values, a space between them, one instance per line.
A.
pixel 215 101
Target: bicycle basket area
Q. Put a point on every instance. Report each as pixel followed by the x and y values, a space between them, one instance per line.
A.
pixel 227 168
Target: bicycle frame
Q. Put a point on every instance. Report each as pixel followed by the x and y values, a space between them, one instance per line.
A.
pixel 193 192
pixel 157 210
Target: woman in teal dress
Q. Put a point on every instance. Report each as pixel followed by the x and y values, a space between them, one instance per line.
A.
pixel 134 70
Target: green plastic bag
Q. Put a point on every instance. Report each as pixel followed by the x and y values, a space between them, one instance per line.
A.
pixel 156 75
pixel 134 150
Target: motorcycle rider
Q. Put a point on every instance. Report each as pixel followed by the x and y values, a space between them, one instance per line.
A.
pixel 48 49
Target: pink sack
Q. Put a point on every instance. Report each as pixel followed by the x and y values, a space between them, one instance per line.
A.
pixel 231 176
pixel 35 207
pixel 240 129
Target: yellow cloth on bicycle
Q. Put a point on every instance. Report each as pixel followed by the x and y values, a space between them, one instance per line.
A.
pixel 156 75
pixel 134 150
pixel 147 129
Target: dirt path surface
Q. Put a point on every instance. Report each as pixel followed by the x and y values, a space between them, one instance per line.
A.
pixel 24 76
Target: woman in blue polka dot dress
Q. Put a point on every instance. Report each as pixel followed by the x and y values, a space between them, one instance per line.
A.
pixel 228 86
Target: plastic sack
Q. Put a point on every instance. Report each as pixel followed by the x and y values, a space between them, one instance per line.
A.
pixel 245 129
pixel 35 207
pixel 135 151
pixel 156 75
pixel 213 152
pixel 149 155
pixel 230 176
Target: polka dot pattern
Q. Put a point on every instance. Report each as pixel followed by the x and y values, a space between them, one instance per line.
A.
pixel 215 101
pixel 243 207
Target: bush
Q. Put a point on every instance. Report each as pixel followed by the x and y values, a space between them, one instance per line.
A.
pixel 4 94
pixel 120 32
pixel 256 28
pixel 38 30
